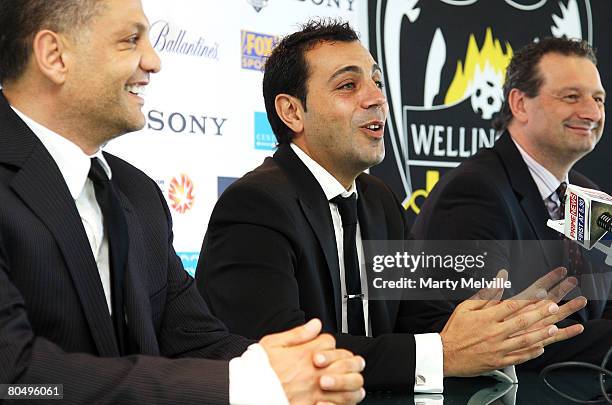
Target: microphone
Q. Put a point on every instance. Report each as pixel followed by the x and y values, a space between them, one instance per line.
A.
pixel 587 218
pixel 605 221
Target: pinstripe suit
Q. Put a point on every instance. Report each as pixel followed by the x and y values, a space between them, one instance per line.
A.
pixel 54 321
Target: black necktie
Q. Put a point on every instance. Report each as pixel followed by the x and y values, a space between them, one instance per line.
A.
pixel 115 227
pixel 354 308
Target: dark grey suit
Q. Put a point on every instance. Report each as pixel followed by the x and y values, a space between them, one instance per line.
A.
pixel 54 321
pixel 269 262
pixel 492 196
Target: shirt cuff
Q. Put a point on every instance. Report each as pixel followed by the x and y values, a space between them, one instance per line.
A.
pixel 429 364
pixel 252 381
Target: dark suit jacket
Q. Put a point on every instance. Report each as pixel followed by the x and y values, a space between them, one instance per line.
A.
pixel 492 196
pixel 269 262
pixel 55 325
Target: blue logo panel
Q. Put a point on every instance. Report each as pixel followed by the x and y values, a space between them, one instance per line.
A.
pixel 223 183
pixel 256 47
pixel 190 261
pixel 264 137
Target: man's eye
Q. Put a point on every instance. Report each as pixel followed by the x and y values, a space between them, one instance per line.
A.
pixel 347 86
pixel 572 98
pixel 600 100
pixel 133 39
pixel 380 84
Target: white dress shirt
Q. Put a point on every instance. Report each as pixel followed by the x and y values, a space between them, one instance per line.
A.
pixel 429 371
pixel 546 181
pixel 252 379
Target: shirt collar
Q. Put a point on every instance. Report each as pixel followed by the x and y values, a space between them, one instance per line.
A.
pixel 72 162
pixel 546 181
pixel 331 187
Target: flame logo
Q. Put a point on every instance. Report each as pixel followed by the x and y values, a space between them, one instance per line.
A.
pixel 478 62
pixel 180 194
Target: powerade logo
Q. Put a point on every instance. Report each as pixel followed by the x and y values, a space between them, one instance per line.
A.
pixel 190 261
pixel 581 219
pixel 256 47
pixel 264 137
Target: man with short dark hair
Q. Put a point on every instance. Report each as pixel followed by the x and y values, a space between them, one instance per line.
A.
pixel 553 115
pixel 92 294
pixel 284 243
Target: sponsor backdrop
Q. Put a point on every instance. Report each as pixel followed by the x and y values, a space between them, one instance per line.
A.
pixel 206 122
pixel 443 61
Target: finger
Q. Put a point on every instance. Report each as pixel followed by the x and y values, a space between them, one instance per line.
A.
pixel 522 356
pixel 508 310
pixel 565 310
pixel 325 358
pixel 322 343
pixel 488 294
pixel 295 336
pixel 529 339
pixel 523 321
pixel 355 364
pixel 539 289
pixel 557 293
pixel 496 299
pixel 335 398
pixel 564 334
pixel 341 382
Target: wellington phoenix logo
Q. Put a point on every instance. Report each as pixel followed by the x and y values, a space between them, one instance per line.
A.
pixel 444 63
pixel 180 194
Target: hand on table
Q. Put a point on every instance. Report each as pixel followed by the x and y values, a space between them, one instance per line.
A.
pixel 311 369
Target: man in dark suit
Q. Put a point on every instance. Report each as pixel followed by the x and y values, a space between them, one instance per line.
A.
pixel 553 115
pixel 284 243
pixel 92 294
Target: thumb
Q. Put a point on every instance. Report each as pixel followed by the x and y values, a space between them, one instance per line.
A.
pixel 295 336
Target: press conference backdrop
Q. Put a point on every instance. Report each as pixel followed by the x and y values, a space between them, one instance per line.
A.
pixel 443 61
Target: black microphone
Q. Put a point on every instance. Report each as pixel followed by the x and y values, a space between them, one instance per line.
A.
pixel 605 221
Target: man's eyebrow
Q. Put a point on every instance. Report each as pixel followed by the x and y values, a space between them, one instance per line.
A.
pixel 141 27
pixel 578 89
pixel 354 69
pixel 138 26
pixel 346 69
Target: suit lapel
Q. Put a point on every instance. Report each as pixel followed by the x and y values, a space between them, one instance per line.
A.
pixel 136 297
pixel 528 196
pixel 40 185
pixel 373 226
pixel 316 210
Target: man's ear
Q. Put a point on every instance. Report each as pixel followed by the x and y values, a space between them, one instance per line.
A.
pixel 290 111
pixel 49 55
pixel 516 101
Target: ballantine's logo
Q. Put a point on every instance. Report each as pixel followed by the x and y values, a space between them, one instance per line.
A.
pixel 444 80
pixel 180 194
pixel 256 47
pixel 180 123
pixel 168 39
